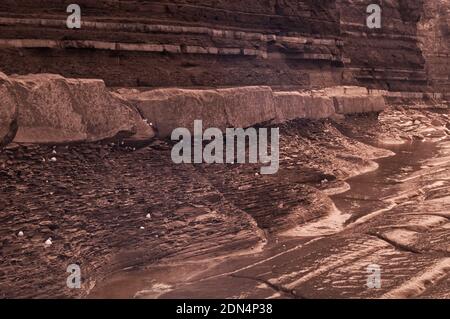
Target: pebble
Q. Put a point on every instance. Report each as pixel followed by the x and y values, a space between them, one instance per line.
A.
pixel 142 227
pixel 53 159
pixel 20 234
pixel 48 242
pixel 148 216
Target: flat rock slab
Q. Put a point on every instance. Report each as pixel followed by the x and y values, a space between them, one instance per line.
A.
pixel 169 109
pixel 359 104
pixel 241 107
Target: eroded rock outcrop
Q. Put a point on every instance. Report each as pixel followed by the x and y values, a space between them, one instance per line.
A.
pixel 243 107
pixel 169 109
pixel 53 109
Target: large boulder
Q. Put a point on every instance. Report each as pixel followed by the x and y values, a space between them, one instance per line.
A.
pixel 247 106
pixel 169 109
pixel 8 111
pixel 54 109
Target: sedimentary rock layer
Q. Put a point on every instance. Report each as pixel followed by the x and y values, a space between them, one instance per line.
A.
pixel 418 99
pixel 169 109
pixel 389 57
pixel 434 36
pixel 243 107
pixel 307 44
pixel 177 43
pixel 52 109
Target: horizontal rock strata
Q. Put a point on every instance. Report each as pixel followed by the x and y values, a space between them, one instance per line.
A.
pixel 386 58
pixel 243 107
pixel 169 109
pixel 307 44
pixel 170 44
pixel 434 40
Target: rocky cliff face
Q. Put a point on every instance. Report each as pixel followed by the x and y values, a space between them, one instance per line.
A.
pixel 177 43
pixel 205 43
pixel 434 36
pixel 389 57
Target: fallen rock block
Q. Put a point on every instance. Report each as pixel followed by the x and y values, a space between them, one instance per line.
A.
pixel 8 112
pixel 247 106
pixel 302 105
pixel 54 109
pixel 322 107
pixel 359 104
pixel 290 106
pixel 169 109
pixel 356 99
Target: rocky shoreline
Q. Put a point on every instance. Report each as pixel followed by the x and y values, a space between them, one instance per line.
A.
pixel 196 211
pixel 87 176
